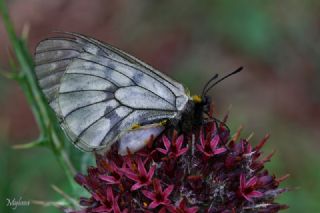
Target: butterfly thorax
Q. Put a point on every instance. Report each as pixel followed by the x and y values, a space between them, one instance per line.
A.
pixel 192 115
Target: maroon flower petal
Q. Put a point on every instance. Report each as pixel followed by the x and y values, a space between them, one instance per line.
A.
pixel 149 195
pixel 214 142
pixel 154 204
pixel 182 151
pixel 219 151
pixel 130 175
pixel 166 142
pixel 109 179
pixel 255 194
pixel 179 142
pixel 247 197
pixel 157 186
pixel 163 151
pixel 200 148
pixel 151 172
pixel 110 194
pixel 136 186
pixel 251 182
pixel 141 168
pixel 242 182
pixel 168 190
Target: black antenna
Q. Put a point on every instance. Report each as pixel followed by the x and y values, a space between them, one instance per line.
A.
pixel 221 79
pixel 208 82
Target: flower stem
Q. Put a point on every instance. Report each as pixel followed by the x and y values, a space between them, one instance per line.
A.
pixel 50 132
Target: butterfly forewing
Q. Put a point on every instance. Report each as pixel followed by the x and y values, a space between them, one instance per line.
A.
pixel 98 92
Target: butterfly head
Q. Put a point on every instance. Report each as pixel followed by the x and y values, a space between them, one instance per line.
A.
pixel 201 104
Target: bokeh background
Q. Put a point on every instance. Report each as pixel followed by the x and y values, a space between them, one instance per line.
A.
pixel 278 43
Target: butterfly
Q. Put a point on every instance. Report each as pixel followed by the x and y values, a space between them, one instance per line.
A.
pixel 101 94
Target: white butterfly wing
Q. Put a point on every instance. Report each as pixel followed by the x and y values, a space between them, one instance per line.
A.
pixel 98 91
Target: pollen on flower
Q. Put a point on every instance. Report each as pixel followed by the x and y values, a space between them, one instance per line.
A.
pixel 204 170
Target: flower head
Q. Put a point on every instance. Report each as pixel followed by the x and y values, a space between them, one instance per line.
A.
pixel 204 170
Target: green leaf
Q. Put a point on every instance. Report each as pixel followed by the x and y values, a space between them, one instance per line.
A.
pixel 40 142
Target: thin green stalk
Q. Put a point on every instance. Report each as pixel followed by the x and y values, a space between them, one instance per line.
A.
pixel 46 121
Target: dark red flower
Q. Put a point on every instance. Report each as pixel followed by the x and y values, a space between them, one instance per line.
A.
pixel 247 188
pixel 115 174
pixel 212 172
pixel 210 149
pixel 109 203
pixel 174 148
pixel 140 175
pixel 158 196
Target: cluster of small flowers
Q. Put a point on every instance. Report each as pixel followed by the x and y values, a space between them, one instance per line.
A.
pixel 206 170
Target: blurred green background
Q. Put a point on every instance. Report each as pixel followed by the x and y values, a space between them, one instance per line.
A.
pixel 278 43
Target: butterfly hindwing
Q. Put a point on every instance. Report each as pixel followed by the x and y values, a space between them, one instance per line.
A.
pixel 98 91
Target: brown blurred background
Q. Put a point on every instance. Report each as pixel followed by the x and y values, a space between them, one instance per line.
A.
pixel 278 43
